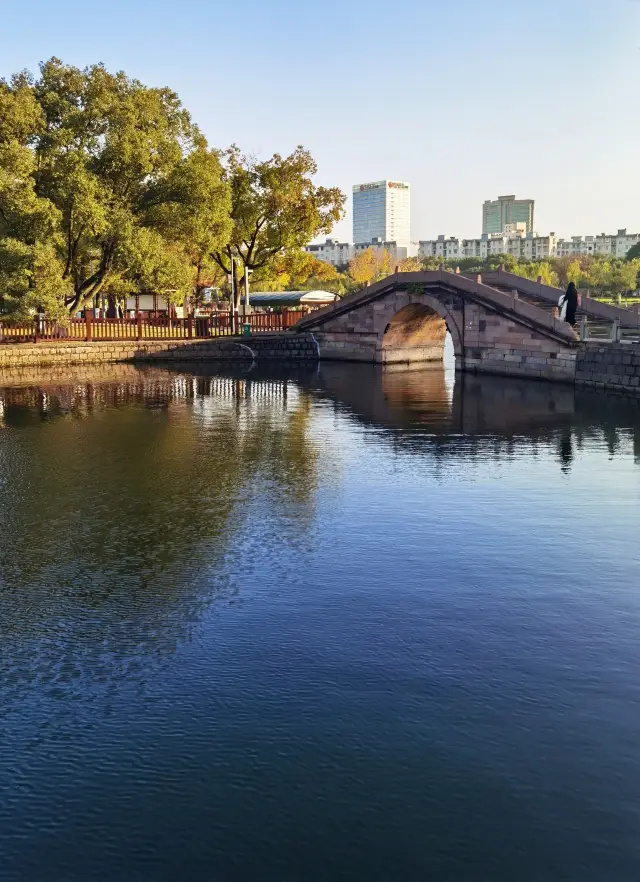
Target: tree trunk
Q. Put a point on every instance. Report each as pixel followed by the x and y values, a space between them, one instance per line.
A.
pixel 112 308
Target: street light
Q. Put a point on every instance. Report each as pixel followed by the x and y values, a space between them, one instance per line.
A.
pixel 247 304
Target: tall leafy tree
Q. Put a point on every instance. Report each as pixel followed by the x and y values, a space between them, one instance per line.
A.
pixel 192 206
pixel 106 185
pixel 613 278
pixel 31 274
pixel 537 269
pixel 275 207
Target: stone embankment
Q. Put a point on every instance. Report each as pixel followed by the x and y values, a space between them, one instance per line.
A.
pixel 282 347
pixel 609 366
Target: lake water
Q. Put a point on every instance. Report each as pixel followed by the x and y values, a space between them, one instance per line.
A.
pixel 317 625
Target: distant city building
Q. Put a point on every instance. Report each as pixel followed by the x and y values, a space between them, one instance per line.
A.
pixel 515 242
pixel 528 246
pixel 604 245
pixel 499 213
pixel 340 253
pixel 331 251
pixel 398 252
pixel 618 245
pixel 576 246
pixel 382 210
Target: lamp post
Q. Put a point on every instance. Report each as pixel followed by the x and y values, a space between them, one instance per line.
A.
pixel 232 299
pixel 247 303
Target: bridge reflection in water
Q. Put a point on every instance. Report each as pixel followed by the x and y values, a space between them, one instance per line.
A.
pixel 427 406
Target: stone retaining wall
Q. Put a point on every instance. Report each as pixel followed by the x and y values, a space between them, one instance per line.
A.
pixel 281 347
pixel 541 363
pixel 609 366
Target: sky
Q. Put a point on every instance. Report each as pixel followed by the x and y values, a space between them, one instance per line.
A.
pixel 466 100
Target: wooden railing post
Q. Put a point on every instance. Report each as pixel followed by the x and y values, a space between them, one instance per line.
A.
pixel 139 325
pixel 87 321
pixel 190 326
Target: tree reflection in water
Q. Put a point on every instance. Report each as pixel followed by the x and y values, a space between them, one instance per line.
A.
pixel 126 493
pixel 128 499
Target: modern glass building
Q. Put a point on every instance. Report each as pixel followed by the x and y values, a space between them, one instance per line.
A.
pixel 496 214
pixel 382 210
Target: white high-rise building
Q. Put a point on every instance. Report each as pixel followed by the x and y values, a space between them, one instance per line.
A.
pixel 382 212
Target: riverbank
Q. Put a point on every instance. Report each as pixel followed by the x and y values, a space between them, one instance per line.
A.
pixel 609 366
pixel 281 346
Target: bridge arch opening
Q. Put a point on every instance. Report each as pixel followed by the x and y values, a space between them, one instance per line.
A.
pixel 415 333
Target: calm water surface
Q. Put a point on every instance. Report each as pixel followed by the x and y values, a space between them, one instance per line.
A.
pixel 317 625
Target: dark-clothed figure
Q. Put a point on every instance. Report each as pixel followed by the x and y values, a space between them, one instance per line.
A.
pixel 569 304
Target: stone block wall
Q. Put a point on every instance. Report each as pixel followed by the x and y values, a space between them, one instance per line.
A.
pixel 283 346
pixel 609 366
pixel 499 344
pixel 346 346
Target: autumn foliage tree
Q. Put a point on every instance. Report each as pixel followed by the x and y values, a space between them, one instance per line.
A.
pixel 370 266
pixel 297 270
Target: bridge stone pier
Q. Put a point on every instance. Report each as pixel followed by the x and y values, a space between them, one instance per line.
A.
pixel 405 318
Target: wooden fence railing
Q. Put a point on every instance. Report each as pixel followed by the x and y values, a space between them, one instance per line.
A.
pixel 221 324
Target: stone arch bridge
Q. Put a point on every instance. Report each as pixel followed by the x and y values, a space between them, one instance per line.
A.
pixel 507 327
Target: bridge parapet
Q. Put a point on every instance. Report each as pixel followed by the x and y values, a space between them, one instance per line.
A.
pixel 547 294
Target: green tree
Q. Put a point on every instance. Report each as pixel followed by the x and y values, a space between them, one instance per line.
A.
pixel 31 274
pixel 430 263
pixel 613 278
pixel 634 252
pixel 192 207
pixel 535 270
pixel 275 207
pixel 113 177
pixel 492 262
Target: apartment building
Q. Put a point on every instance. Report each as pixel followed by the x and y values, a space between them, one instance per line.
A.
pixel 331 251
pixel 528 246
pixel 398 252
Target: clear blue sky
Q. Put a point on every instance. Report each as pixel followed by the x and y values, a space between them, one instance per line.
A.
pixel 466 100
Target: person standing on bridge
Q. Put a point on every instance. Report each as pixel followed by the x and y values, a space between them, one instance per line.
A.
pixel 568 304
